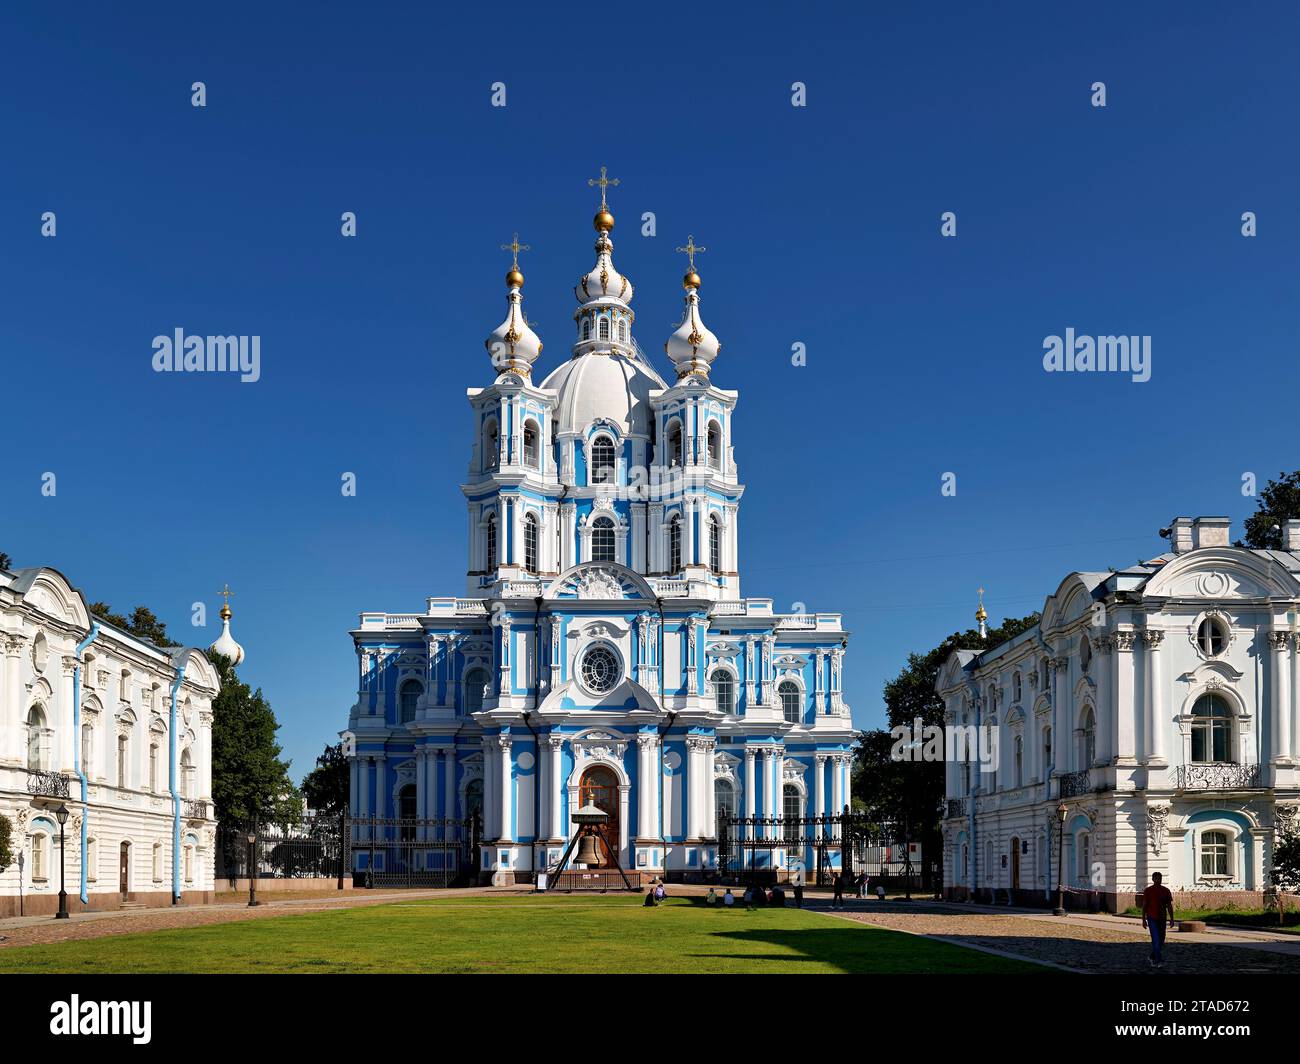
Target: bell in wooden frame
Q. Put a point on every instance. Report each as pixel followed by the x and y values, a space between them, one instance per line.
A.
pixel 589 845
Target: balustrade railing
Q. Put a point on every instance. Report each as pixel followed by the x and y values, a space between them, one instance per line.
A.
pixel 47 784
pixel 1076 783
pixel 1217 777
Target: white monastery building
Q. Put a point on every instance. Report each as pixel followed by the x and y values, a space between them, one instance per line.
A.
pixel 602 652
pixel 116 732
pixel 1156 708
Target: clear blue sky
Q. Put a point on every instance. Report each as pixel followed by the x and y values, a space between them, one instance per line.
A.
pixel 822 223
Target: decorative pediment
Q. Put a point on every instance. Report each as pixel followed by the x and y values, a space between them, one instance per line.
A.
pixel 405 772
pixel 598 630
pixel 599 581
pixel 792 771
pixel 791 662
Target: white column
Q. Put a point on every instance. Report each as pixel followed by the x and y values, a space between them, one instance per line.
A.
pixel 837 785
pixel 1101 659
pixel 624 791
pixel 1281 703
pixel 568 525
pixel 710 795
pixel 848 780
pixel 381 807
pixel 491 792
pixel 449 809
pixel 1292 751
pixel 11 746
pixel 356 793
pixel 645 785
pixel 507 787
pixel 688 516
pixel 692 787
pixel 554 744
pixel 819 786
pixel 1125 706
pixel 64 717
pixel 1156 723
pixel 751 782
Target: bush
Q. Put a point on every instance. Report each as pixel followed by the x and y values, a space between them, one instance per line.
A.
pixel 6 843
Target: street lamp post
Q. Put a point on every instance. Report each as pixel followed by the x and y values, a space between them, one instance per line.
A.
pixel 1062 811
pixel 252 866
pixel 61 814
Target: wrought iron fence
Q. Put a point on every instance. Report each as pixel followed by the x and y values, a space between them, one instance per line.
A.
pixel 193 809
pixel 1073 784
pixel 306 848
pixel 1222 777
pixel 764 849
pixel 47 784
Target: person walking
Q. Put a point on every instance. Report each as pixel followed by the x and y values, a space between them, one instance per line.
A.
pixel 1156 902
pixel 798 893
pixel 837 899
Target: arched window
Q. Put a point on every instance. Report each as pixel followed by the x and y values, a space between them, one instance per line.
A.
pixel 602 329
pixel 1211 729
pixel 622 331
pixel 586 328
pixel 1210 637
pixel 724 799
pixel 715 445
pixel 1216 854
pixel 476 681
pixel 1045 675
pixel 675 443
pixel 715 544
pixel 474 800
pixel 491 445
pixel 123 760
pixel 153 765
pixel 189 864
pixel 1019 762
pixel 1083 854
pixel 530 542
pixel 92 859
pixel 724 691
pixel 124 687
pixel 157 862
pixel 602 460
pixel 1047 749
pixel 1085 654
pixel 1015 686
pixel 491 542
pixel 187 774
pixel 792 809
pixel 1087 739
pixel 602 540
pixel 788 692
pixel 531 451
pixel 407 697
pixel 87 748
pixel 36 745
pixel 406 802
pixel 40 856
pixel 675 544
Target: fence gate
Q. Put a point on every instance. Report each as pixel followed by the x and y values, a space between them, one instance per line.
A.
pixel 411 852
pixel 764 849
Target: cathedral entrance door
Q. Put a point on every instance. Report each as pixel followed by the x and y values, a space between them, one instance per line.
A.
pixel 599 787
pixel 124 869
pixel 1015 863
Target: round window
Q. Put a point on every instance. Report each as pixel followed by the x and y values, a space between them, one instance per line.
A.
pixel 599 669
pixel 1210 637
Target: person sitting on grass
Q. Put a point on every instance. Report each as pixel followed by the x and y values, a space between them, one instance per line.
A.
pixel 712 899
pixel 728 899
pixel 650 902
pixel 777 897
pixel 660 893
pixel 880 892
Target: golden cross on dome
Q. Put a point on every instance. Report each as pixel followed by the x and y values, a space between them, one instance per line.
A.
pixel 226 593
pixel 691 250
pixel 515 247
pixel 603 182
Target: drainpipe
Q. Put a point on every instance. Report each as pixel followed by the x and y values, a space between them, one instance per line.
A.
pixel 76 747
pixel 176 794
pixel 537 741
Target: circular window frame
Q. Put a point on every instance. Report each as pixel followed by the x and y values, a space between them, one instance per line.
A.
pixel 619 666
pixel 1217 619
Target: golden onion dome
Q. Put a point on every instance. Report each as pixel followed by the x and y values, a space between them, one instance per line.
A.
pixel 514 279
pixel 691 280
pixel 604 221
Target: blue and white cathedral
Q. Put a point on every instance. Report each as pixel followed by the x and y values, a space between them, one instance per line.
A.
pixel 602 652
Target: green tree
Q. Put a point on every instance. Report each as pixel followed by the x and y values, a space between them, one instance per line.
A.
pixel 142 623
pixel 1286 869
pixel 910 793
pixel 249 779
pixel 326 786
pixel 6 843
pixel 5 561
pixel 1279 502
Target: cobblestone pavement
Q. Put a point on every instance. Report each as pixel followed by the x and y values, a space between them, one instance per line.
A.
pixel 1078 944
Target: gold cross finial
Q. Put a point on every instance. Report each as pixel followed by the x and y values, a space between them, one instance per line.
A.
pixel 603 182
pixel 691 250
pixel 226 593
pixel 515 248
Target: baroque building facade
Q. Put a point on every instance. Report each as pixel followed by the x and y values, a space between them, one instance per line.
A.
pixel 1156 706
pixel 116 731
pixel 602 651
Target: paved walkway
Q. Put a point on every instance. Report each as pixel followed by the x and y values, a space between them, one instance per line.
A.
pixel 1081 942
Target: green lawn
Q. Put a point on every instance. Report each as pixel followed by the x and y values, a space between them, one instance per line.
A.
pixel 518 934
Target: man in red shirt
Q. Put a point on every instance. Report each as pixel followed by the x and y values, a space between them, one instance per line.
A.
pixel 1156 902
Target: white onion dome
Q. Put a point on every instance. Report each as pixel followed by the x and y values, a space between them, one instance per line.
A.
pixel 610 385
pixel 225 644
pixel 513 345
pixel 692 347
pixel 603 285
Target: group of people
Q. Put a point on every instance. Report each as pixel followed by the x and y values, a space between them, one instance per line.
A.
pixel 755 896
pixel 859 885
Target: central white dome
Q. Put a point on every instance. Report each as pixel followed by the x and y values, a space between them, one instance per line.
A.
pixel 605 384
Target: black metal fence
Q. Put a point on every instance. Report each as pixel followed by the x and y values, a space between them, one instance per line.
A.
pixel 364 852
pixel 765 849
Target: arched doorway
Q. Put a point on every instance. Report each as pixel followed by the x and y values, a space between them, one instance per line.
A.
pixel 599 787
pixel 124 869
pixel 1015 863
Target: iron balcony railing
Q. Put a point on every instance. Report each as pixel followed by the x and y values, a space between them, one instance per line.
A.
pixel 194 809
pixel 47 784
pixel 956 807
pixel 1217 777
pixel 1076 783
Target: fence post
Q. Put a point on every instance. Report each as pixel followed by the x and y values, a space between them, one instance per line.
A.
pixel 344 848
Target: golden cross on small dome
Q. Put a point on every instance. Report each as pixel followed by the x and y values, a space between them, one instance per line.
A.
pixel 603 182
pixel 691 250
pixel 515 248
pixel 226 592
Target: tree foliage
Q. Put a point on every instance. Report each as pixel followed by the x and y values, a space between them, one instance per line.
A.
pixel 1279 502
pixel 1286 862
pixel 326 786
pixel 910 793
pixel 142 623
pixel 249 778
pixel 6 562
pixel 6 843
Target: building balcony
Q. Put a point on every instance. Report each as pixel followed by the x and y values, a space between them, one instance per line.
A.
pixel 47 784
pixel 1217 777
pixel 1073 784
pixel 194 809
pixel 956 807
